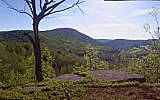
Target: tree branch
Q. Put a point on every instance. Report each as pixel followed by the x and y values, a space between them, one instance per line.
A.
pixel 17 10
pixel 40 1
pixel 75 4
pixel 44 9
pixel 45 4
pixel 50 2
pixel 33 3
pixel 29 5
pixel 50 12
pixel 55 5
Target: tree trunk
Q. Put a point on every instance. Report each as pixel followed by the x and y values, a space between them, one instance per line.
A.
pixel 37 53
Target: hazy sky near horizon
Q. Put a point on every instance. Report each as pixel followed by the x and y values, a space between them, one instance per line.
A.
pixel 102 19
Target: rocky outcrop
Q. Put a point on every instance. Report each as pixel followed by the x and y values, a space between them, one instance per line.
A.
pixel 68 77
pixel 105 75
pixel 115 75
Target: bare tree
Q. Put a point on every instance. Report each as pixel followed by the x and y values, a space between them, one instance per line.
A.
pixel 156 35
pixel 39 9
pixel 155 12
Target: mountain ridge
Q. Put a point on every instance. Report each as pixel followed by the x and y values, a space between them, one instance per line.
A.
pixel 67 37
pixel 123 43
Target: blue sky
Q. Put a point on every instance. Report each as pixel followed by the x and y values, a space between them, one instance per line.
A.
pixel 102 19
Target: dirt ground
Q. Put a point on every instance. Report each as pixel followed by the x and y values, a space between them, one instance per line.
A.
pixel 122 93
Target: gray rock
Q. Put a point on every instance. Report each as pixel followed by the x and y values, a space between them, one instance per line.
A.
pixel 69 77
pixel 115 75
pixel 105 75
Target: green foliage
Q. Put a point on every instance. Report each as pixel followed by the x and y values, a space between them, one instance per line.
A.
pixel 150 64
pixel 13 62
pixel 63 62
pixel 92 62
pixel 147 66
pixel 64 39
pixel 47 62
pixel 18 66
pixel 16 36
pixel 139 52
pixel 58 89
pixel 42 91
pixel 80 70
pixel 150 67
pixel 90 81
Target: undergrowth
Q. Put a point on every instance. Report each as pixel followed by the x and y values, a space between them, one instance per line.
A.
pixel 59 89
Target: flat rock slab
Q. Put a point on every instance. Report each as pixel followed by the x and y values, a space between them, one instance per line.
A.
pixel 68 77
pixel 115 75
pixel 105 75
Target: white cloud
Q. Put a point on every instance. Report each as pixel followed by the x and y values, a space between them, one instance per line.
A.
pixel 113 31
pixel 114 4
pixel 65 18
pixel 109 24
pixel 100 7
pixel 123 30
pixel 140 12
pixel 102 13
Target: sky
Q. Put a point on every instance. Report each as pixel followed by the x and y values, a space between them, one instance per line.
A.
pixel 100 20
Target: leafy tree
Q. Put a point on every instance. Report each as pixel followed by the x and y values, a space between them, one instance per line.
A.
pixel 47 7
pixel 92 62
pixel 13 58
pixel 47 62
pixel 149 66
pixel 21 70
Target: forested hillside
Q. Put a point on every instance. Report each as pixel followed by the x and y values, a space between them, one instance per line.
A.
pixel 73 41
pixel 66 39
pixel 124 44
pixel 66 64
pixel 67 51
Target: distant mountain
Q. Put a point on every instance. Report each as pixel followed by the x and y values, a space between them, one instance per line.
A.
pixel 59 33
pixel 123 43
pixel 103 40
pixel 70 34
pixel 15 35
pixel 66 39
pixel 71 40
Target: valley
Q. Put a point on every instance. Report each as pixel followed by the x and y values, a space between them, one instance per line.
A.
pixel 66 51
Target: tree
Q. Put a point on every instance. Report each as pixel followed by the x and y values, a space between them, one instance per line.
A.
pixel 151 63
pixel 46 8
pixel 92 62
pixel 15 71
pixel 156 34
